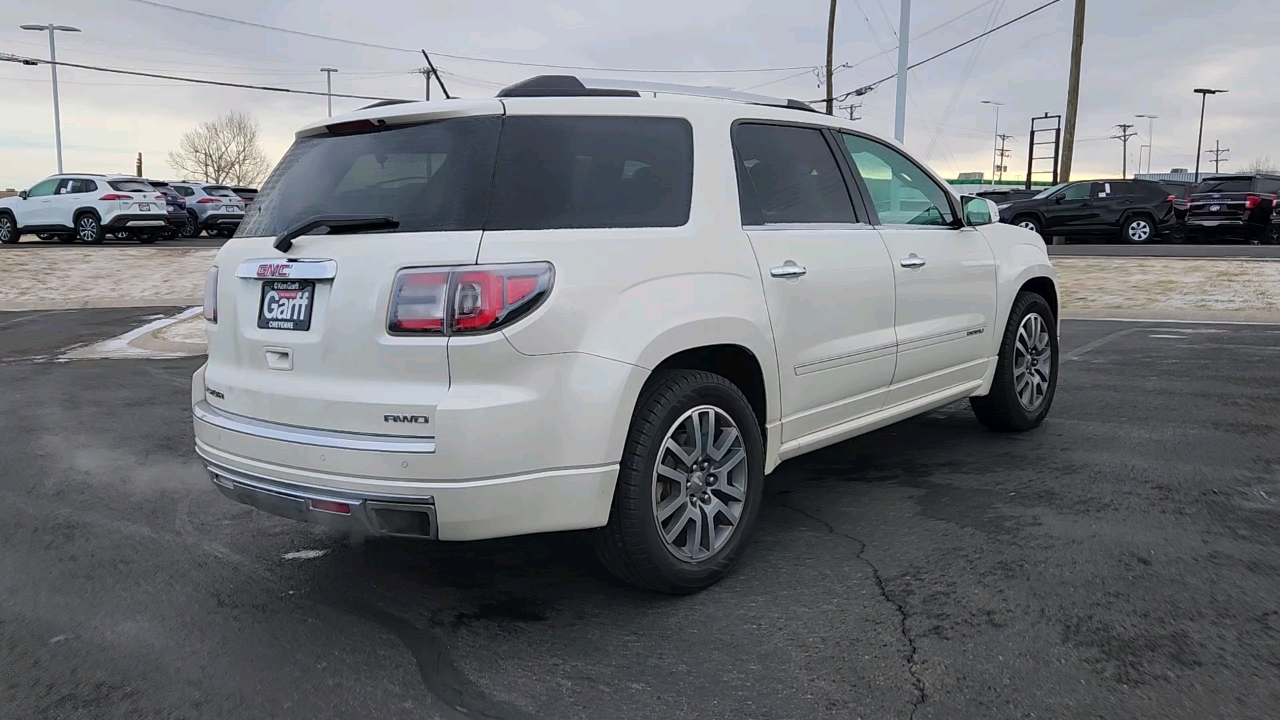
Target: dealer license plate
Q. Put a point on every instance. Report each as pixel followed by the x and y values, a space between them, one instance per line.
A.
pixel 286 305
pixel 145 207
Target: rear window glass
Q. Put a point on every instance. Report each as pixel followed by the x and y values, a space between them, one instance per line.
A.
pixel 130 186
pixel 218 191
pixel 518 173
pixel 1225 185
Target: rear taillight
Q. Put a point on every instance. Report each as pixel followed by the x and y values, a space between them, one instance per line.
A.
pixel 206 200
pixel 1251 202
pixel 464 300
pixel 211 295
pixel 1171 198
pixel 115 196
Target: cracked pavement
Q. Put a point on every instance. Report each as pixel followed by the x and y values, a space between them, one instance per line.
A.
pixel 1120 562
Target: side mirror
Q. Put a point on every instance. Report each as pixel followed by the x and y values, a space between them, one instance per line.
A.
pixel 979 211
pixel 23 194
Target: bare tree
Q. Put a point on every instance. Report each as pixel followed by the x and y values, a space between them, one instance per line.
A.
pixel 223 150
pixel 1261 165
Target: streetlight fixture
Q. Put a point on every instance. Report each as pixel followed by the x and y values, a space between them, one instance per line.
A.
pixel 995 144
pixel 53 69
pixel 1204 95
pixel 1151 141
pixel 328 77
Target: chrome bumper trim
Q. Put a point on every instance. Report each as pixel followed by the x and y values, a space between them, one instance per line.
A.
pixel 373 514
pixel 205 412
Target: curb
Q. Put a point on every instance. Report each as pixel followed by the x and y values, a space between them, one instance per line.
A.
pixel 1166 315
pixel 99 303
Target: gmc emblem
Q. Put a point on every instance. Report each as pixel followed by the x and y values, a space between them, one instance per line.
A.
pixel 266 270
pixel 414 419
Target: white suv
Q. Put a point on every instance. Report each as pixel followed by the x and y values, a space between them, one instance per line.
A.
pixel 574 307
pixel 85 208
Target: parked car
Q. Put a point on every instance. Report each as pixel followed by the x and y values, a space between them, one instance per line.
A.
pixel 84 207
pixel 1233 207
pixel 566 312
pixel 247 194
pixel 210 207
pixel 1135 211
pixel 175 209
pixel 1008 195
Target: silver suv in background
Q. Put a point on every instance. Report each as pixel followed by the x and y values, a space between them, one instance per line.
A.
pixel 215 209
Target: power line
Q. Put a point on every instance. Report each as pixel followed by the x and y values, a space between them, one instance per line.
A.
pixel 872 86
pixel 6 57
pixel 393 48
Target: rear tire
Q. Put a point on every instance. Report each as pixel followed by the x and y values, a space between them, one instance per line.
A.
pixel 89 230
pixel 192 228
pixel 1138 230
pixel 9 234
pixel 682 528
pixel 66 238
pixel 1022 390
pixel 147 238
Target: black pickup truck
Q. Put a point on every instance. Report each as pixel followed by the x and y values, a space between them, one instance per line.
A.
pixel 1238 208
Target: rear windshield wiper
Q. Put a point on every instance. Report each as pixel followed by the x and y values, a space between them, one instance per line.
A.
pixel 337 224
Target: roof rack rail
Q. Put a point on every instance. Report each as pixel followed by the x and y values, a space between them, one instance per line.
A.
pixel 384 103
pixel 571 86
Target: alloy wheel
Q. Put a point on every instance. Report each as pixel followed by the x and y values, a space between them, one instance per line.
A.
pixel 700 483
pixel 1028 225
pixel 87 229
pixel 1032 362
pixel 1139 231
pixel 6 229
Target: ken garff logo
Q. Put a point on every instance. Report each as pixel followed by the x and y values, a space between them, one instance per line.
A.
pixel 411 419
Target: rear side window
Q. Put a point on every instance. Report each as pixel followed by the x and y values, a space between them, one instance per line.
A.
pixel 789 175
pixel 592 172
pixel 184 191
pixel 130 186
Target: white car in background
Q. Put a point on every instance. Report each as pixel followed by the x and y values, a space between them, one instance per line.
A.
pixel 84 207
pixel 574 306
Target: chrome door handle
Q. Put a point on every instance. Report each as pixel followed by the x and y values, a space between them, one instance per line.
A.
pixel 788 270
pixel 912 261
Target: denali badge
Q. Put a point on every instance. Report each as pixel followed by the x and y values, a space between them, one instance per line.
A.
pixel 214 393
pixel 415 419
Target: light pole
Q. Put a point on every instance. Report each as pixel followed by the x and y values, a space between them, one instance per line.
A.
pixel 904 41
pixel 328 81
pixel 1204 95
pixel 995 144
pixel 1151 140
pixel 53 69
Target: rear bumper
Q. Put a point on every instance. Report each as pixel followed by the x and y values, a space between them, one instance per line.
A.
pixel 137 221
pixel 178 219
pixel 221 220
pixel 547 501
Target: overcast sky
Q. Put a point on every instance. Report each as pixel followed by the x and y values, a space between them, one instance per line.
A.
pixel 1141 56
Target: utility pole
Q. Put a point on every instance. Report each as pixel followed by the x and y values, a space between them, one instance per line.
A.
pixel 1003 153
pixel 1124 136
pixel 139 167
pixel 995 150
pixel 853 109
pixel 425 72
pixel 432 67
pixel 831 48
pixel 1073 93
pixel 328 77
pixel 904 41
pixel 1217 152
pixel 1204 95
pixel 53 70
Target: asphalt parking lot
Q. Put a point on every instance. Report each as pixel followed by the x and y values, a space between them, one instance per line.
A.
pixel 204 241
pixel 1123 561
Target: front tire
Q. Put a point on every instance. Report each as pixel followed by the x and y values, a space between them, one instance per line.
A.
pixel 1028 222
pixel 9 230
pixel 689 487
pixel 1138 230
pixel 89 230
pixel 1027 372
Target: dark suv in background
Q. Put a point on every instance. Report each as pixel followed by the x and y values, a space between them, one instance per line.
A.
pixel 1233 207
pixel 1135 211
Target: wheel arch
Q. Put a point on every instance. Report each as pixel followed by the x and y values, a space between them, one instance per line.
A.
pixel 735 363
pixel 75 216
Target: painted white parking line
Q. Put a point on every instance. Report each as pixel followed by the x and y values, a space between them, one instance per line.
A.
pixel 305 554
